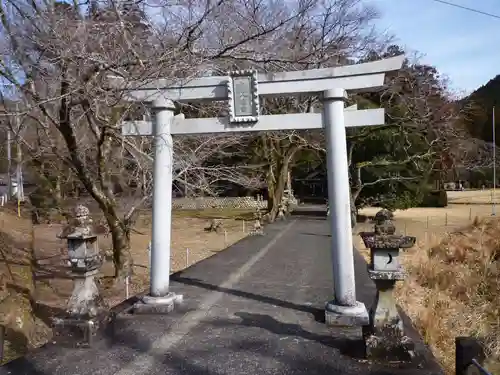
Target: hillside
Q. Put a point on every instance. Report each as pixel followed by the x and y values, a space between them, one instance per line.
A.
pixel 478 110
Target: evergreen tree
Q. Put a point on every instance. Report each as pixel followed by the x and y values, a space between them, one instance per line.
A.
pixel 393 165
pixel 479 109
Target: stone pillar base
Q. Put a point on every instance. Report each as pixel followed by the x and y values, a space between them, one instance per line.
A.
pixel 346 316
pixel 157 305
pixel 75 332
pixel 388 348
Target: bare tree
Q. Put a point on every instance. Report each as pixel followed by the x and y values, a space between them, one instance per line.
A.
pixel 316 34
pixel 58 56
pixel 332 33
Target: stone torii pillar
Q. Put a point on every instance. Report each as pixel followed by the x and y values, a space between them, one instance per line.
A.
pixel 344 309
pixel 241 90
pixel 160 298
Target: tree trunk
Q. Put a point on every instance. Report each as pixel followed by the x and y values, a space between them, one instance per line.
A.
pixel 57 189
pixel 144 181
pixel 122 258
pixel 275 193
pixel 103 195
pixel 277 179
pixel 354 209
pixel 355 194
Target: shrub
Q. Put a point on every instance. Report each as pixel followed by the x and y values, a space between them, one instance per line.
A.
pixel 435 198
pixel 392 201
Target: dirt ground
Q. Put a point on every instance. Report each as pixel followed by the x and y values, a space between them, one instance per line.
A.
pixel 28 299
pixel 453 284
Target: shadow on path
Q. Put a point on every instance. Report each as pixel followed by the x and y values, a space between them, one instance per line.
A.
pixel 312 213
pixel 353 348
pixel 318 314
pixel 22 366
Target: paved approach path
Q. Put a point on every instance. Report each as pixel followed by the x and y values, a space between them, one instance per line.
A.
pixel 255 308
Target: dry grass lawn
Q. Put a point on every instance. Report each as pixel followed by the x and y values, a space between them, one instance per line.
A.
pixel 28 299
pixel 453 288
pixel 486 196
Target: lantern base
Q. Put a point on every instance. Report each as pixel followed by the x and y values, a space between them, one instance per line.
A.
pixel 157 305
pixel 389 348
pixel 72 331
pixel 346 316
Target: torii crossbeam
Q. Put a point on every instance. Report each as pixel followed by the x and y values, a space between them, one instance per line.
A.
pixel 242 90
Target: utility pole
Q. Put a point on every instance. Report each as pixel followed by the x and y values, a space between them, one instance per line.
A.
pixel 19 171
pixel 9 149
pixel 493 206
pixel 19 159
pixel 9 164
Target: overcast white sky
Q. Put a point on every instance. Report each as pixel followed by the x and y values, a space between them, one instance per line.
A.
pixel 463 45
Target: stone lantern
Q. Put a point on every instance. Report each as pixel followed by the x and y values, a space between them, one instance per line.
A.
pixel 257 227
pixel 385 337
pixel 86 311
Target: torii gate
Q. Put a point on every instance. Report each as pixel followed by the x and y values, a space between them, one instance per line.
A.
pixel 242 90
